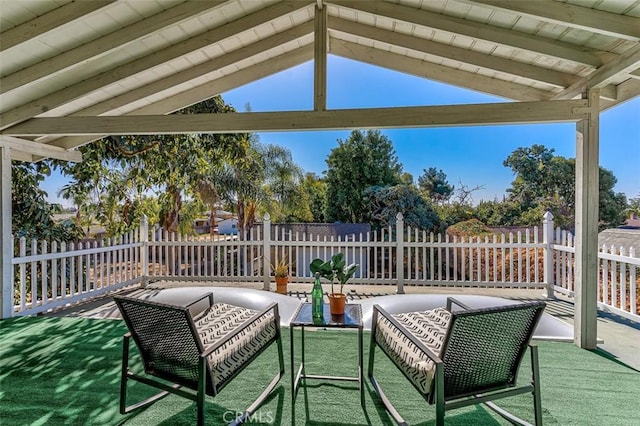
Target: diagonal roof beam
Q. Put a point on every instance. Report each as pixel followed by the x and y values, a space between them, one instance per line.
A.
pixel 49 21
pixel 436 72
pixel 397 117
pixel 36 148
pixel 75 91
pixel 507 66
pixel 198 70
pixel 629 60
pixel 475 30
pixel 104 44
pixel 570 15
pixel 207 90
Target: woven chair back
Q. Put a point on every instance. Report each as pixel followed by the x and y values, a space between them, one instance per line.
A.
pixel 484 347
pixel 166 338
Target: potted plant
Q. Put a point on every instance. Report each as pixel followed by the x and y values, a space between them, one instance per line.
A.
pixel 281 272
pixel 335 269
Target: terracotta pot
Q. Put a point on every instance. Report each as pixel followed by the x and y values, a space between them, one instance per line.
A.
pixel 281 284
pixel 336 303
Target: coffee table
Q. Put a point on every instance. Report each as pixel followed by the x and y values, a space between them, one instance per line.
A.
pixel 352 318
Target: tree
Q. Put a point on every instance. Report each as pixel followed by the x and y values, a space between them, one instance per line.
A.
pixel 316 190
pixel 32 215
pixel 434 186
pixel 388 201
pixel 544 181
pixel 362 161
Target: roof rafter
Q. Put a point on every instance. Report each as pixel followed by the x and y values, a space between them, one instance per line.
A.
pixel 48 21
pixel 36 148
pixel 199 70
pixel 70 93
pixel 104 44
pixel 507 66
pixel 207 90
pixel 398 117
pixel 437 72
pixel 471 29
pixel 629 60
pixel 571 15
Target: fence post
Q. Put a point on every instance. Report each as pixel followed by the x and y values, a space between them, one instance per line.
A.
pixel 547 241
pixel 400 253
pixel 266 252
pixel 144 250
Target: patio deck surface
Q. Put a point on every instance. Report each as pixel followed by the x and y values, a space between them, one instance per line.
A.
pixel 619 337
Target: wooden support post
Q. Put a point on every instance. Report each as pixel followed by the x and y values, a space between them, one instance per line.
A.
pixel 320 60
pixel 587 197
pixel 6 252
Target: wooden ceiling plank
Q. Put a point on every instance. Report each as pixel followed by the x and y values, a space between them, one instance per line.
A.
pixel 49 21
pixel 437 72
pixel 571 15
pixel 399 117
pixel 508 66
pixel 75 91
pixel 320 59
pixel 476 30
pixel 197 70
pixel 629 60
pixel 207 90
pixel 40 149
pixel 106 43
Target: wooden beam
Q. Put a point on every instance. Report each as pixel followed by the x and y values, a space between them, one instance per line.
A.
pixel 629 60
pixel 426 116
pixel 475 30
pixel 587 196
pixel 573 16
pixel 77 56
pixel 207 90
pixel 320 59
pixel 6 236
pixel 36 148
pixel 77 90
pixel 49 21
pixel 199 70
pixel 635 74
pixel 437 72
pixel 483 60
pixel 624 91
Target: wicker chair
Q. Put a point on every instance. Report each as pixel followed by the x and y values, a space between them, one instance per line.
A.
pixel 460 357
pixel 199 348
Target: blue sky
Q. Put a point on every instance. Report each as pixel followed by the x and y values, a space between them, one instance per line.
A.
pixel 471 155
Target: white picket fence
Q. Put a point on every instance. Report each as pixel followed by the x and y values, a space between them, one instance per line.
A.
pixel 51 276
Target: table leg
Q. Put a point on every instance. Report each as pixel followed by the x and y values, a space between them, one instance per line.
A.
pixel 360 364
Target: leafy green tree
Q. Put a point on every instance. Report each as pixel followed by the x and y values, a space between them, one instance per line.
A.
pixel 364 160
pixel 433 185
pixel 544 182
pixel 32 215
pixel 388 201
pixel 633 207
pixel 316 190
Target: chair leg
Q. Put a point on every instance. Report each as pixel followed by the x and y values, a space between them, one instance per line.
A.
pixel 202 389
pixel 124 378
pixel 263 396
pixel 439 390
pixel 537 397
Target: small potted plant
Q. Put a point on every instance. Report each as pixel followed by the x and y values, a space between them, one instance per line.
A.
pixel 335 269
pixel 281 272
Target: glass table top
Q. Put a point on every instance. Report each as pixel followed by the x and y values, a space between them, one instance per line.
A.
pixel 352 317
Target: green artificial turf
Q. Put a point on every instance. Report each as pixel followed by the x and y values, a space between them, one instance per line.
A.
pixel 66 371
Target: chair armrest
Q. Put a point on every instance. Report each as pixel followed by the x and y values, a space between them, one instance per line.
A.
pixel 276 318
pixel 452 300
pixel 428 352
pixel 198 300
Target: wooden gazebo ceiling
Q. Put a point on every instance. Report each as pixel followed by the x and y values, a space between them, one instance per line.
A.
pixel 87 59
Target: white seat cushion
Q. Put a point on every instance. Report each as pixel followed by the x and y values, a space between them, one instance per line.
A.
pixel 222 320
pixel 429 327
